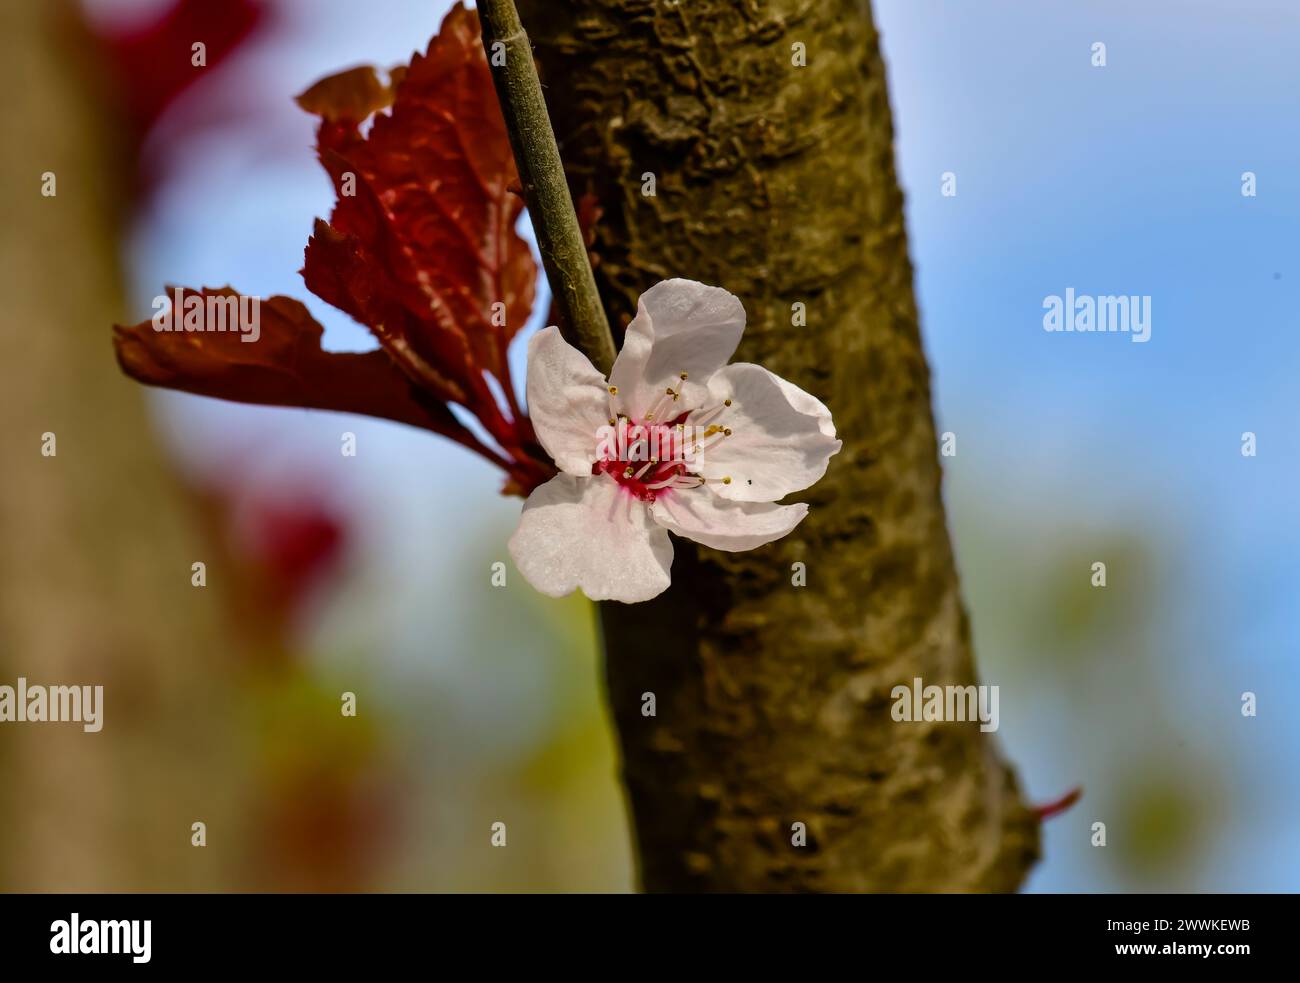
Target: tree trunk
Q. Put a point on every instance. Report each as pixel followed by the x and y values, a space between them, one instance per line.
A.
pixel 97 539
pixel 776 180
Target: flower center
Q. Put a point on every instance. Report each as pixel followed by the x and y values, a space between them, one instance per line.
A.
pixel 647 481
pixel 664 451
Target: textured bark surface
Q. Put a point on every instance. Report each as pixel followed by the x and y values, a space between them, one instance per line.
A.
pixel 773 706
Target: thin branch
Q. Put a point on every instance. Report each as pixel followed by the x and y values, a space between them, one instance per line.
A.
pixel 541 172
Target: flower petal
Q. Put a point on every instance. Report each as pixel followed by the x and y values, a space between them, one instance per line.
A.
pixel 588 533
pixel 567 400
pixel 781 437
pixel 680 326
pixel 698 514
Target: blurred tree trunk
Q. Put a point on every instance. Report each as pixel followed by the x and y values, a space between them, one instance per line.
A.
pixel 777 181
pixel 95 546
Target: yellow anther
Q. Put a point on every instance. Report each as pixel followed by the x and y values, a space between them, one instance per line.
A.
pixel 613 390
pixel 726 402
pixel 726 480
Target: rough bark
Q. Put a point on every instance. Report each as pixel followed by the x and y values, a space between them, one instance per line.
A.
pixel 773 700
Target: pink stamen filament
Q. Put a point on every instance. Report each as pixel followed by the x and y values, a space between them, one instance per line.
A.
pixel 672 481
pixel 714 443
pixel 706 416
pixel 644 479
pixel 669 397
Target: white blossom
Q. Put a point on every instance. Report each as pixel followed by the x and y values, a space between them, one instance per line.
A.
pixel 752 438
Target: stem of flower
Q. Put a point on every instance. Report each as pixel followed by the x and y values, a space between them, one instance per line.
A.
pixel 541 172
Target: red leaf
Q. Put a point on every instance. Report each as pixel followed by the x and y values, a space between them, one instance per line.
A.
pixel 1058 806
pixel 421 247
pixel 154 63
pixel 295 543
pixel 432 215
pixel 285 366
pixel 344 275
pixel 348 97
